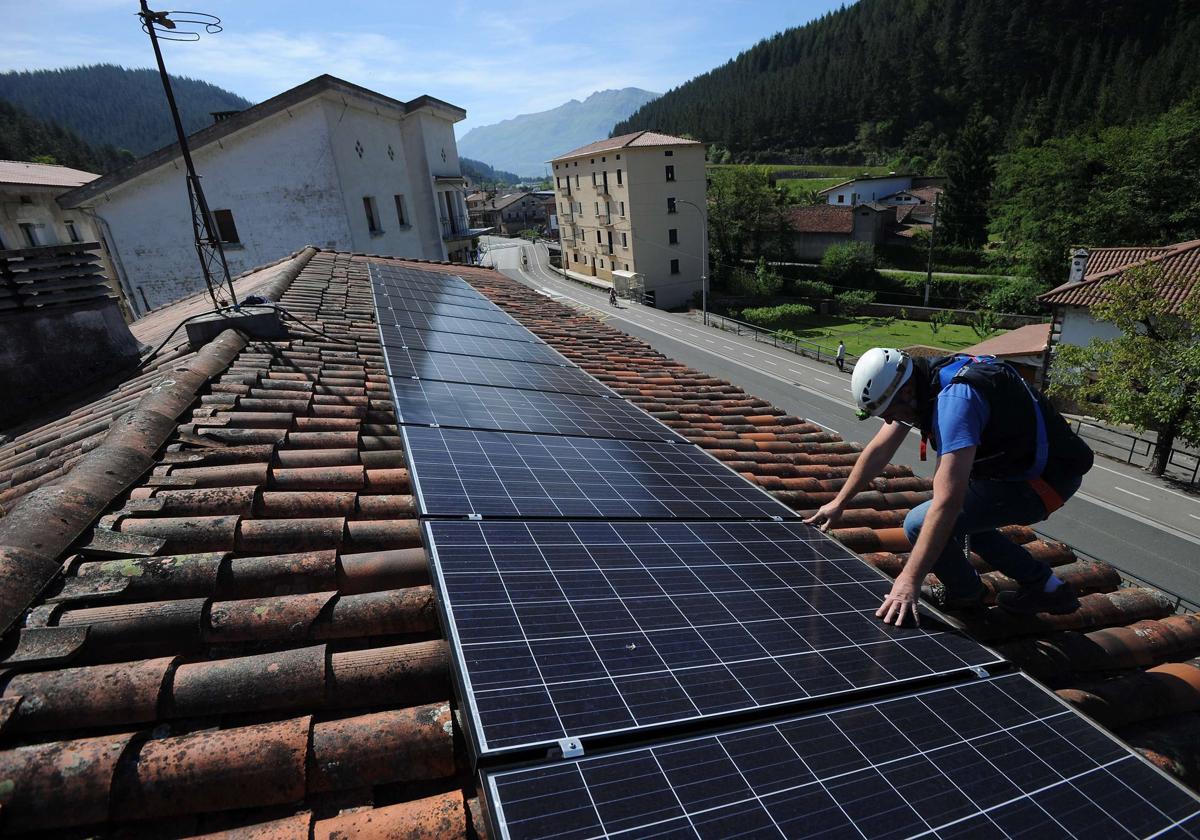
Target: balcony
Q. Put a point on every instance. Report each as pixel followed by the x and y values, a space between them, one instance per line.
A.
pixel 605 249
pixel 567 216
pixel 454 227
pixel 604 218
pixel 603 188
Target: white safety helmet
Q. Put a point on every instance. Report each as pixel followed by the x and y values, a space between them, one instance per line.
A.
pixel 878 375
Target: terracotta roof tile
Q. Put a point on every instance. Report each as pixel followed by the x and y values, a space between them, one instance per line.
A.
pixel 637 138
pixel 1029 340
pixel 43 174
pixel 821 218
pixel 1180 265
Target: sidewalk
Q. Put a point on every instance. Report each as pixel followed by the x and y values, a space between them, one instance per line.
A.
pixel 1125 444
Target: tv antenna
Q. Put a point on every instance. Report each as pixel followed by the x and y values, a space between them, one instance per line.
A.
pixel 187 26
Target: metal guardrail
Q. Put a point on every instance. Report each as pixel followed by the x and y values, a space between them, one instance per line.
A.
pixel 1133 449
pixel 807 349
pixel 51 275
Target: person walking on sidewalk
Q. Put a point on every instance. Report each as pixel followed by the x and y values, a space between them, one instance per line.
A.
pixel 840 358
pixel 1005 457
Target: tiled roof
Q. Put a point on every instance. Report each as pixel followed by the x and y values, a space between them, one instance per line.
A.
pixel 246 641
pixel 821 218
pixel 926 194
pixel 1180 266
pixel 502 201
pixel 637 138
pixel 42 174
pixel 1029 340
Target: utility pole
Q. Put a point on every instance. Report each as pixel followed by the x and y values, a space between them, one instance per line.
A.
pixel 929 259
pixel 208 244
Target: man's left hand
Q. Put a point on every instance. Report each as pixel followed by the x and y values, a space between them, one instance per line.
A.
pixel 901 601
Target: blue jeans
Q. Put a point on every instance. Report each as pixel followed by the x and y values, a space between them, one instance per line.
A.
pixel 987 506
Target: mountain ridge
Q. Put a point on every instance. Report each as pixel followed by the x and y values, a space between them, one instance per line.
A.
pixel 524 143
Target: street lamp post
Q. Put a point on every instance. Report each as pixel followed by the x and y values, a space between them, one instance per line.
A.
pixel 703 258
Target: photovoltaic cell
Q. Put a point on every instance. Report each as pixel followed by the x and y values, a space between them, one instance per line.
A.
pixel 445 323
pixel 461 473
pixel 455 404
pixel 999 757
pixel 477 370
pixel 384 273
pixel 571 629
pixel 408 303
pixel 421 292
pixel 468 345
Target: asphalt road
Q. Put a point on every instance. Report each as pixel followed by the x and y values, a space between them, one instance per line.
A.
pixel 1121 515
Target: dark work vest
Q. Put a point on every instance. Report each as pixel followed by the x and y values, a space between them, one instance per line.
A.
pixel 1009 446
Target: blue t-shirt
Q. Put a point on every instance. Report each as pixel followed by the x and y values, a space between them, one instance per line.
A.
pixel 960 417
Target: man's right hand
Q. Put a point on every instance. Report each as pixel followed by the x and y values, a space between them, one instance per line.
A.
pixel 827 516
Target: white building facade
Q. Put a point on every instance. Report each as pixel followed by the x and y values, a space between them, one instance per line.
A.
pixel 327 163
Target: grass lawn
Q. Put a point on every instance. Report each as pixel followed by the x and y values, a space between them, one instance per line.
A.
pixel 797 186
pixel 864 332
pixel 902 274
pixel 816 170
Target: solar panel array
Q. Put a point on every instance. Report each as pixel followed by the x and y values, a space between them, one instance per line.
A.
pixel 570 629
pixel 601 578
pixel 994 758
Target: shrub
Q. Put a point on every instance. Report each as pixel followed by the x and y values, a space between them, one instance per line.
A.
pixel 767 282
pixel 773 316
pixel 984 323
pixel 851 303
pixel 812 289
pixel 849 264
pixel 1017 295
pixel 939 319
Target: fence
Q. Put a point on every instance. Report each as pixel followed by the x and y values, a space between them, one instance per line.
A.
pixel 1133 449
pixel 51 275
pixel 808 349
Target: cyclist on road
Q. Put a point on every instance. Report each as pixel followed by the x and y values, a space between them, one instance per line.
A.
pixel 1005 457
pixel 612 296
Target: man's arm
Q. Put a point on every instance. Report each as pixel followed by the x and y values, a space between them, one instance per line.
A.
pixel 875 456
pixel 949 489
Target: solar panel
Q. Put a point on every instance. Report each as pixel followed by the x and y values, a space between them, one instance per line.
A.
pixel 444 323
pixel 460 473
pixel 476 370
pixel 404 274
pixel 573 629
pixel 456 404
pixel 994 758
pixel 468 345
pixel 423 293
pixel 405 301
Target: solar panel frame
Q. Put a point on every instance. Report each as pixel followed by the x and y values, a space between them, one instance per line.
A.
pixel 851 771
pixel 411 363
pixel 513 475
pixel 596 630
pixel 467 406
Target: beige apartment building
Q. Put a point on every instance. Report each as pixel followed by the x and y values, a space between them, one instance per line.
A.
pixel 632 212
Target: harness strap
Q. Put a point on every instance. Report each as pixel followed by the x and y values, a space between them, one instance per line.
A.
pixel 1047 494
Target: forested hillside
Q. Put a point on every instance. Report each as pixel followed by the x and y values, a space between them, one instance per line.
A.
pixel 480 173
pixel 110 105
pixel 22 137
pixel 887 80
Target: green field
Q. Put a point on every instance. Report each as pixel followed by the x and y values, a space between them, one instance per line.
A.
pixel 943 277
pixel 864 332
pixel 812 170
pixel 799 186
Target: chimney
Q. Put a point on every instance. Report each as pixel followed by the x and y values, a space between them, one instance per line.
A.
pixel 1079 261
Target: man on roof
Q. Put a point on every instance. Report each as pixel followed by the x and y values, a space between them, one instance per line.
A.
pixel 1005 457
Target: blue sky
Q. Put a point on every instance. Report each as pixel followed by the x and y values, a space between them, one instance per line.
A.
pixel 526 57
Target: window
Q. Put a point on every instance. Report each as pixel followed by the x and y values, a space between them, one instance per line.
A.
pixel 619 181
pixel 626 266
pixel 72 232
pixel 618 157
pixel 674 266
pixel 27 231
pixel 673 236
pixel 670 205
pixel 624 239
pixel 26 200
pixel 598 239
pixel 670 173
pixel 622 208
pixel 226 229
pixel 576 179
pixel 601 263
pixel 596 204
pixel 372 214
pixel 668 153
pixel 841 199
pixel 593 179
pixel 401 216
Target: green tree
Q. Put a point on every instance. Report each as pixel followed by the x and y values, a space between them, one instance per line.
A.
pixel 746 219
pixel 969 172
pixel 852 302
pixel 939 319
pixel 768 283
pixel 1149 376
pixel 849 264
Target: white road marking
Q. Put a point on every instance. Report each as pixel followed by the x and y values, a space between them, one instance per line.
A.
pixel 769 362
pixel 1131 493
pixel 1192 499
pixel 822 381
pixel 748 355
pixel 1194 516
